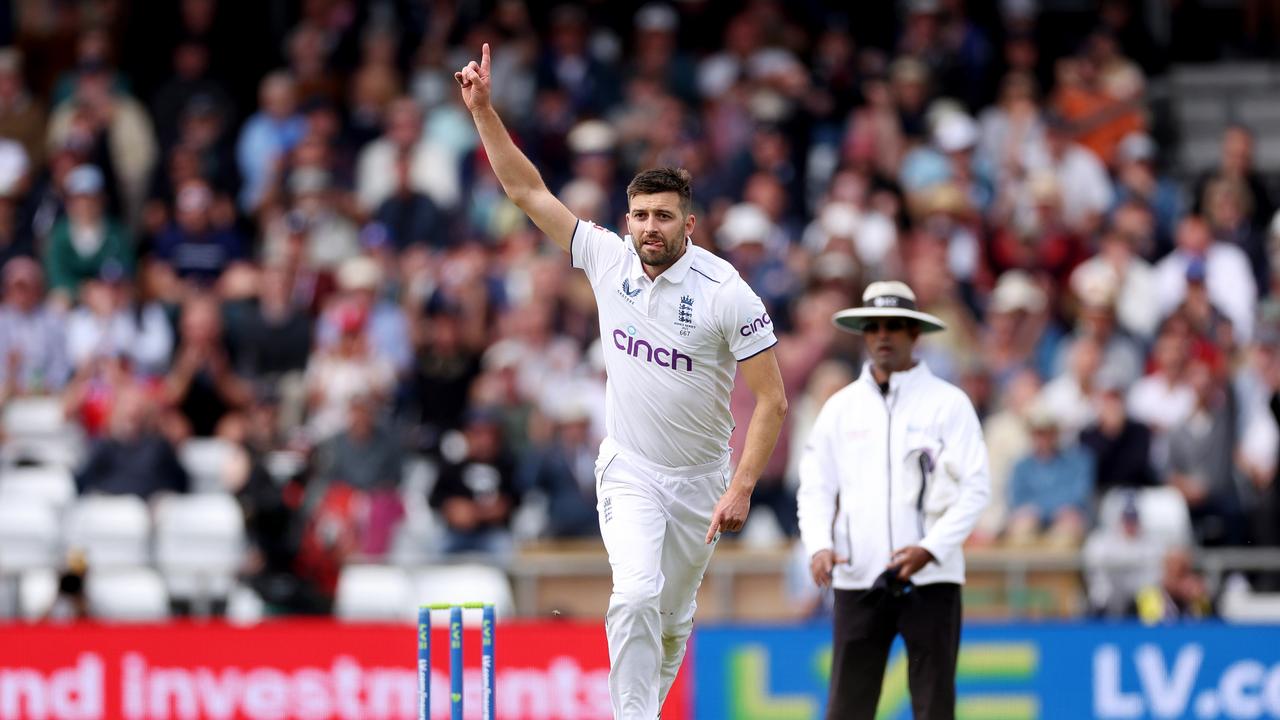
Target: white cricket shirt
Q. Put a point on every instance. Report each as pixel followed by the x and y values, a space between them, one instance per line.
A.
pixel 671 346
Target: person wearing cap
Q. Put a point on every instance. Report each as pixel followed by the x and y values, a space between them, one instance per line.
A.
pixel 33 350
pixel 360 282
pixel 197 249
pixel 677 323
pixel 1051 486
pixel 893 478
pixel 80 244
pixel 1138 179
pixel 1224 270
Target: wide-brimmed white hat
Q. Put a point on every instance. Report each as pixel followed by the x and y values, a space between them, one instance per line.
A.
pixel 885 299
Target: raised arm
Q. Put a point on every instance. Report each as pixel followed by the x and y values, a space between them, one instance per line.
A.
pixel 519 178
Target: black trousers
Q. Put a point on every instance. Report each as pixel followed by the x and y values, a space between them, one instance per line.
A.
pixel 865 624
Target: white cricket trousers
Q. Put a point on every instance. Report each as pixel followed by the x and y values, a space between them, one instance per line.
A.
pixel 654 522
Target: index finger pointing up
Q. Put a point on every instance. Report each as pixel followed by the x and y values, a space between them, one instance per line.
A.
pixel 484 58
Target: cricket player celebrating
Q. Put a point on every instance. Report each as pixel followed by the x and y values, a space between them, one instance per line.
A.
pixel 675 320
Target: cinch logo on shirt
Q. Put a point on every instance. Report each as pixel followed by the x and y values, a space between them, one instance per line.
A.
pixel 643 349
pixel 755 326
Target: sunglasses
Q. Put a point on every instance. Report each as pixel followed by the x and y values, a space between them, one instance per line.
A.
pixel 874 326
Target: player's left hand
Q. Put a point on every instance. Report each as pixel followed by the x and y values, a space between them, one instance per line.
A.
pixel 730 513
pixel 909 560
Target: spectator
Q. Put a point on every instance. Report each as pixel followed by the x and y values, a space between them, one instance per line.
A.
pixel 1082 179
pixel 366 457
pixel 15 235
pixel 410 216
pixel 195 247
pixel 476 491
pixel 1134 278
pixel 328 236
pixel 1120 560
pixel 433 170
pixel 1228 218
pixel 1202 459
pixel 1069 396
pixel 1138 180
pixel 1235 165
pixel 190 80
pixel 1227 276
pixel 86 240
pixel 1097 289
pixel 1181 594
pixel 33 356
pixel 272 339
pixel 564 470
pixel 267 136
pixel 1050 489
pixel 346 369
pixel 108 324
pixel 1011 130
pixel 360 282
pixel 1121 447
pixel 134 459
pixel 118 124
pixel 1008 439
pixel 202 387
pixel 21 115
pixel 1020 333
pixel 1163 399
pixel 434 395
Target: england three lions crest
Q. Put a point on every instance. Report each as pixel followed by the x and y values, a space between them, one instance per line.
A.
pixel 684 315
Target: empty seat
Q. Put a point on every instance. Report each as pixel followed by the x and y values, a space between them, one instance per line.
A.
pixel 1258 112
pixel 134 594
pixel 34 417
pixel 29 534
pixel 1162 513
pixel 1204 113
pixel 374 593
pixel 205 460
pixel 64 450
pixel 51 484
pixel 113 530
pixel 37 591
pixel 464 583
pixel 199 541
pixel 417 539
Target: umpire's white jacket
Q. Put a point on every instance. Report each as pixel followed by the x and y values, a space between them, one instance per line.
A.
pixel 862 469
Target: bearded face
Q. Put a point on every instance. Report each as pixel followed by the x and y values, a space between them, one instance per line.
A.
pixel 658 227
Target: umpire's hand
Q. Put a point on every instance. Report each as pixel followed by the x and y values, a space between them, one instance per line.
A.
pixel 820 566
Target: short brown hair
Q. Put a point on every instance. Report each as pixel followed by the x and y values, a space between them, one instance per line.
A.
pixel 660 180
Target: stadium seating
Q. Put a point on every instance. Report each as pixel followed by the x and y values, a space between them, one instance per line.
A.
pixel 135 594
pixel 50 484
pixel 205 461
pixel 199 544
pixel 29 535
pixel 464 583
pixel 37 590
pixel 112 530
pixel 374 593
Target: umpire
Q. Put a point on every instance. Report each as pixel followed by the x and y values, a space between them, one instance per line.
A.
pixel 892 479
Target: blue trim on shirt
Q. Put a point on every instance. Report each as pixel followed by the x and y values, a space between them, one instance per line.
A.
pixel 775 342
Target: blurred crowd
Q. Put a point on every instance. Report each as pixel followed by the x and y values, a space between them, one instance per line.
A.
pixel 272 226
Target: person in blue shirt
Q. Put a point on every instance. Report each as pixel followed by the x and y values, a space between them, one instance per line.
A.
pixel 1050 487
